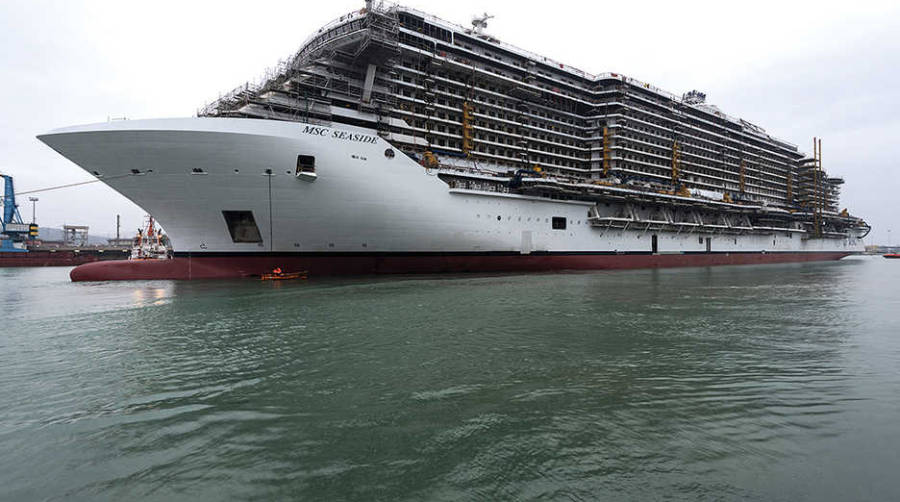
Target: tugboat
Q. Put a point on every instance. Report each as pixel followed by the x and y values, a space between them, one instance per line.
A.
pixel 892 255
pixel 149 243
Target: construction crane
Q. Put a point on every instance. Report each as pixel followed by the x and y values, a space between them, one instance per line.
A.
pixel 13 231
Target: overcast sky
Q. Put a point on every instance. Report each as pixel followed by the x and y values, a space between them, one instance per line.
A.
pixel 798 69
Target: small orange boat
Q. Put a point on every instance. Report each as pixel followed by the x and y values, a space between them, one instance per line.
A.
pixel 283 276
pixel 892 255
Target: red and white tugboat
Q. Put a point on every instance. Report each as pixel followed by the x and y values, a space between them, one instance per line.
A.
pixel 149 243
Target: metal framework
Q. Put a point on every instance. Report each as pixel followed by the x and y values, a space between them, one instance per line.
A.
pixel 429 86
pixel 13 231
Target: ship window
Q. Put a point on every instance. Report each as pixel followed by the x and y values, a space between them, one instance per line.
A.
pixel 242 226
pixel 306 164
pixel 559 223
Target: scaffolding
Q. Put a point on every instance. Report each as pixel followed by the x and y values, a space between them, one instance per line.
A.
pixel 607 154
pixel 303 86
pixel 676 163
pixel 789 187
pixel 817 193
pixel 742 180
pixel 75 235
pixel 468 137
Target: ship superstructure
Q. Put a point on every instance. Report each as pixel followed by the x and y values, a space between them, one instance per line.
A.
pixel 443 92
pixel 394 141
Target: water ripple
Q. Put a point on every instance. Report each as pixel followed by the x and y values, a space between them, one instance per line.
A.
pixel 731 383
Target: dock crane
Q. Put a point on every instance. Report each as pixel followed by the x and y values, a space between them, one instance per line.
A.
pixel 13 231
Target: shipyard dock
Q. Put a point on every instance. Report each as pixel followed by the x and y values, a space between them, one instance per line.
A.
pixel 61 257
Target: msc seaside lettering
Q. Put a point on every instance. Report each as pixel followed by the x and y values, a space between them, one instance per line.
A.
pixel 315 131
pixel 352 136
pixel 344 135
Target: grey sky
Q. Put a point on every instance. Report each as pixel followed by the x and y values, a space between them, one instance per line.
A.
pixel 798 69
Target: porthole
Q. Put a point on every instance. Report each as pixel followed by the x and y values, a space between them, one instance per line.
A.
pixel 499 217
pixel 389 153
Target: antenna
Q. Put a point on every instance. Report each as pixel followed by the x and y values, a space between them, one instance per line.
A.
pixel 480 22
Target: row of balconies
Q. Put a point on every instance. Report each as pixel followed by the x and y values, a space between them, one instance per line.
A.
pixel 569 83
pixel 749 147
pixel 774 185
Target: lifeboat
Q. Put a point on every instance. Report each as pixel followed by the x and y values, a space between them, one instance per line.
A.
pixel 283 276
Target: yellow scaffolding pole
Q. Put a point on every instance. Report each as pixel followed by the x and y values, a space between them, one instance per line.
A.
pixel 606 152
pixel 468 140
pixel 676 163
pixel 790 187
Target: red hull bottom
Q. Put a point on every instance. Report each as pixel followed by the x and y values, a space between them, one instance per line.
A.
pixel 221 267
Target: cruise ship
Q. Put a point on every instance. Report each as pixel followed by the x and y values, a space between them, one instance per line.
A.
pixel 396 142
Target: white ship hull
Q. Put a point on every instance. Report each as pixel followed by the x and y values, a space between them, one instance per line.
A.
pixel 363 204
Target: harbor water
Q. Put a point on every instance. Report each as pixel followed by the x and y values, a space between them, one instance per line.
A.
pixel 773 382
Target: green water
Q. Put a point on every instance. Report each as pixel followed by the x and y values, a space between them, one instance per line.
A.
pixel 763 383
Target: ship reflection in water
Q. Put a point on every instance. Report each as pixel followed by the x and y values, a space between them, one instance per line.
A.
pixel 765 382
pixel 144 296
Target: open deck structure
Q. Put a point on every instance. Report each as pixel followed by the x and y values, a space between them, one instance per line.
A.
pixel 463 102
